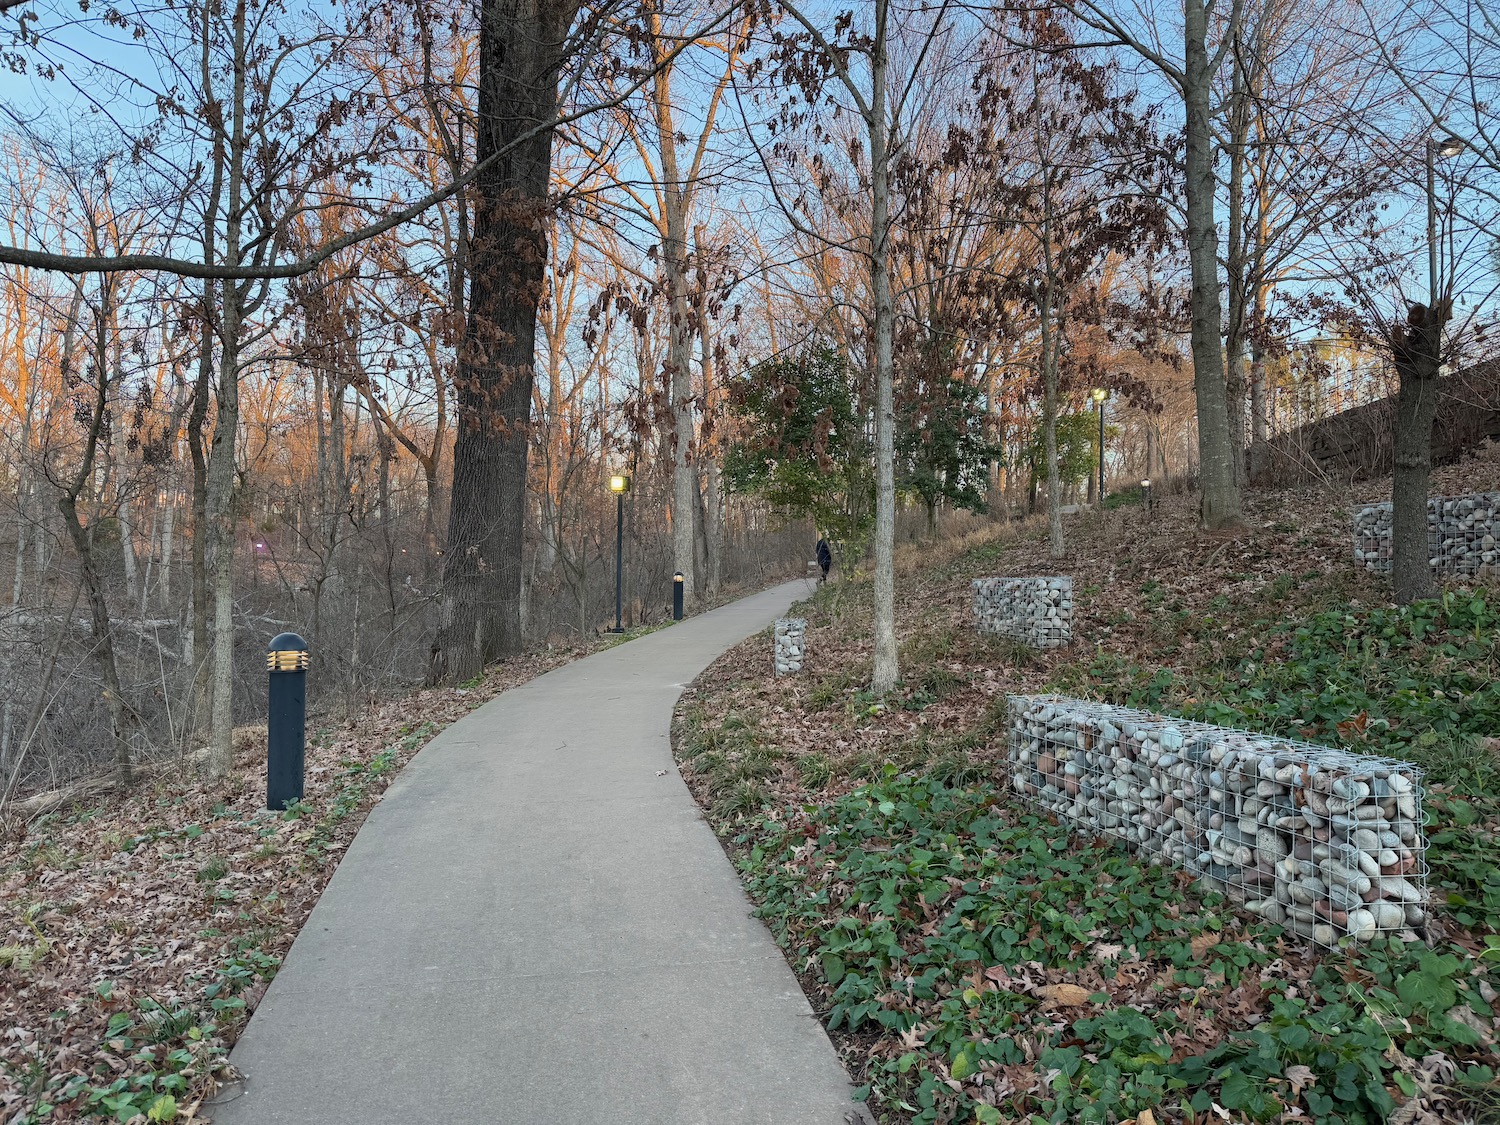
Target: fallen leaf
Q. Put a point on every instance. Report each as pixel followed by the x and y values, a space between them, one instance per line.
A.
pixel 1300 1078
pixel 1202 943
pixel 1064 995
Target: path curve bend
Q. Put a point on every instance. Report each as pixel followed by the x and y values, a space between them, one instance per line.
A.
pixel 535 926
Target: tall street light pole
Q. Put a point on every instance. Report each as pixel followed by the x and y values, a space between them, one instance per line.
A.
pixel 619 485
pixel 1448 146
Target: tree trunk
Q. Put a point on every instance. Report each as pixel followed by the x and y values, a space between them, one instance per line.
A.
pixel 887 669
pixel 519 56
pixel 1237 383
pixel 713 520
pixel 219 508
pixel 1417 362
pixel 198 523
pixel 1221 493
pixel 1055 544
pixel 675 196
pixel 121 717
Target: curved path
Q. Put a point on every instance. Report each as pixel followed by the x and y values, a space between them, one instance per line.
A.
pixel 535 927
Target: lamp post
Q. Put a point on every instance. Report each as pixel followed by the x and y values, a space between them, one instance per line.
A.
pixel 1100 394
pixel 1447 146
pixel 1146 488
pixel 619 484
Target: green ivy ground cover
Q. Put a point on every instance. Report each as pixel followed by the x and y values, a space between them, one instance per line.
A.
pixel 946 928
pixel 1420 683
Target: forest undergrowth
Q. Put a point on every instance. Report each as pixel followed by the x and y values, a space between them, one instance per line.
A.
pixel 976 962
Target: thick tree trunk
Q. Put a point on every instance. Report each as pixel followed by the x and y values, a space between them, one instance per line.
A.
pixel 198 523
pixel 219 513
pixel 887 668
pixel 675 196
pixel 520 46
pixel 219 508
pixel 1221 493
pixel 1236 263
pixel 1416 353
pixel 713 520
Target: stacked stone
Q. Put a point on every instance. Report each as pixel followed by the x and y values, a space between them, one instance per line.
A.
pixel 1037 611
pixel 1326 843
pixel 1462 534
pixel 791 645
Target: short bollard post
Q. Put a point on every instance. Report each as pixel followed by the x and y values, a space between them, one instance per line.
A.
pixel 677 596
pixel 286 719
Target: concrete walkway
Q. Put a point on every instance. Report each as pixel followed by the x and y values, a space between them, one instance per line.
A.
pixel 534 927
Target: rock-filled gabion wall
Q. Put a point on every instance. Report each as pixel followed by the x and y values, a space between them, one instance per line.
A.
pixel 791 645
pixel 1321 841
pixel 1462 533
pixel 1038 611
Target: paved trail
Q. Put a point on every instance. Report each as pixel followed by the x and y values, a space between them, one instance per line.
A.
pixel 533 927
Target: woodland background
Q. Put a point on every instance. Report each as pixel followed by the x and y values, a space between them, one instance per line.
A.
pixel 250 425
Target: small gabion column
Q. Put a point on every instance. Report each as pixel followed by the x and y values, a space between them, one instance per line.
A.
pixel 791 645
pixel 1035 611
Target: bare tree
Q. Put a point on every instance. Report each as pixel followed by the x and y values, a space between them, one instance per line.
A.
pixel 1207 34
pixel 856 58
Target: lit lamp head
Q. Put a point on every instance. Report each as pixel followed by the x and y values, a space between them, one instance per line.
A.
pixel 619 483
pixel 1146 483
pixel 1100 394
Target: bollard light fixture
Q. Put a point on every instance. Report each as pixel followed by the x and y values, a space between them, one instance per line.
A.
pixel 1146 488
pixel 286 719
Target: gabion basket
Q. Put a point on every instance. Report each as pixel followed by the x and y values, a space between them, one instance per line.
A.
pixel 790 643
pixel 1324 842
pixel 1462 534
pixel 1035 611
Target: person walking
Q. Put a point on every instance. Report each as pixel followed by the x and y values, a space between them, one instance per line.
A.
pixel 825 559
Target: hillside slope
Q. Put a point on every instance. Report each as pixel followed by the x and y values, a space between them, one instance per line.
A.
pixel 978 963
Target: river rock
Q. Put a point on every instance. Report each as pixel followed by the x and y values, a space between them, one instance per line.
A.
pixel 1239 810
pixel 1035 611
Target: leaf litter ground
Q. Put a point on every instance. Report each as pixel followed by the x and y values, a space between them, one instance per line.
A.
pixel 138 932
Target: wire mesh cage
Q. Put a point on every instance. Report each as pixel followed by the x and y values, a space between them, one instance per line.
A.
pixel 1321 841
pixel 1035 611
pixel 1462 534
pixel 790 643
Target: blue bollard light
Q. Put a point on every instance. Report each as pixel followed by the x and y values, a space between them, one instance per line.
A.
pixel 286 719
